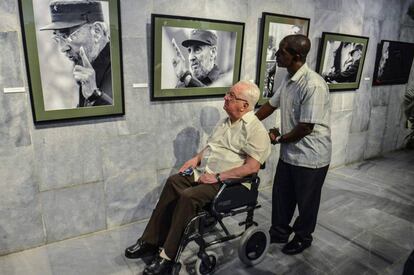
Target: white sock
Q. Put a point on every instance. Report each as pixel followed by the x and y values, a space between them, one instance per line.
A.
pixel 163 255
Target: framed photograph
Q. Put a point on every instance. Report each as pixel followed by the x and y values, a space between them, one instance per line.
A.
pixel 194 57
pixel 274 27
pixel 341 59
pixel 393 63
pixel 73 58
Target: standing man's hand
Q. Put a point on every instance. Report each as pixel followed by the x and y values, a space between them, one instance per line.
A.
pixel 178 61
pixel 85 75
pixel 273 134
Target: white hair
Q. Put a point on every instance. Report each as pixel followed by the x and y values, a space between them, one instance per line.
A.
pixel 251 92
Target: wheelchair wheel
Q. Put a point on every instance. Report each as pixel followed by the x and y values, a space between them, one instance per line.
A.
pixel 176 269
pixel 202 269
pixel 253 245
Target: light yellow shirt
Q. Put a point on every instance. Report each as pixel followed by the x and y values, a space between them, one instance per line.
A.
pixel 231 143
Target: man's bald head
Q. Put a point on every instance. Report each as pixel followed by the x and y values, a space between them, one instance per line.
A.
pixel 297 44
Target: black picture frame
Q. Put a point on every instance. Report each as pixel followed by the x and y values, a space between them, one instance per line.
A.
pixel 274 27
pixel 54 92
pixel 341 60
pixel 165 85
pixel 393 63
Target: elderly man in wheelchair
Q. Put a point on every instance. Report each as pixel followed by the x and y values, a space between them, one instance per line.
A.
pixel 219 181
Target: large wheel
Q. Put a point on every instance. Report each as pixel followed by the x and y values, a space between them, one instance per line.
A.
pixel 176 269
pixel 202 269
pixel 253 245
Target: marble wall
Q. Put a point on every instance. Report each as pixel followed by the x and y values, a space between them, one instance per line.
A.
pixel 68 179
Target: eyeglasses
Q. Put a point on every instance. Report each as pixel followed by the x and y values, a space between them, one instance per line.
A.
pixel 65 36
pixel 231 97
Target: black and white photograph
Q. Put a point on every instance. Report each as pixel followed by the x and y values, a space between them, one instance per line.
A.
pixel 341 60
pixel 393 63
pixel 194 57
pixel 74 56
pixel 74 53
pixel 197 58
pixel 274 28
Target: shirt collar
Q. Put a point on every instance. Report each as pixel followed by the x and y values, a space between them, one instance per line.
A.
pixel 299 73
pixel 248 117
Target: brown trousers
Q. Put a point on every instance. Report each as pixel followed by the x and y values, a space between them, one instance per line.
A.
pixel 180 200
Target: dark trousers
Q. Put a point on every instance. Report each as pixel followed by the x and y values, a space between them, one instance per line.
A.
pixel 180 200
pixel 301 186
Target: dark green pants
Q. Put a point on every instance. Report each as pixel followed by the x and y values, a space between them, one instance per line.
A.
pixel 180 200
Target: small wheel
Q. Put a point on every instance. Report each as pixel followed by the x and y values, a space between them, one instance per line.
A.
pixel 253 245
pixel 202 269
pixel 176 269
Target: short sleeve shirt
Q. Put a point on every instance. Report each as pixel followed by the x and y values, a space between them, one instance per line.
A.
pixel 231 143
pixel 304 97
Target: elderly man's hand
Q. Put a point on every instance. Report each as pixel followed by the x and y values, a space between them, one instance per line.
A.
pixel 189 163
pixel 207 179
pixel 178 61
pixel 85 75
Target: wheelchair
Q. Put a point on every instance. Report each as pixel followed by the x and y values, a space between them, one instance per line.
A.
pixel 232 199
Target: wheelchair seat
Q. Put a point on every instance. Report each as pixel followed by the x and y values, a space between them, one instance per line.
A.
pixel 234 197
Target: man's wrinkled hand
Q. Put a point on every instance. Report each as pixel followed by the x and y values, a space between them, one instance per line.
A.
pixel 178 60
pixel 85 75
pixel 207 179
pixel 189 163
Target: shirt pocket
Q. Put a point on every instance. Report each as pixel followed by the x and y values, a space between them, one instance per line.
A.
pixel 296 110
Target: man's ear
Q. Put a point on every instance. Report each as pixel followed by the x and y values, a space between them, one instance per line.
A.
pixel 97 31
pixel 213 51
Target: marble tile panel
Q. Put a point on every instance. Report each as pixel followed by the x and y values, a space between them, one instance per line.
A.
pixel 136 61
pixel 64 211
pixel 393 8
pixel 135 15
pixel 356 146
pixel 14 121
pixel 233 10
pixel 375 131
pixel 374 8
pixel 303 8
pixel 325 22
pixel 128 153
pixel 388 29
pixel 407 34
pixel 335 5
pixel 380 95
pixel 361 113
pixel 10 16
pixel 351 23
pixel 67 156
pixel 20 214
pixel 340 125
pixel 130 196
pixel 180 8
pixel 32 261
pixel 397 231
pixel 10 76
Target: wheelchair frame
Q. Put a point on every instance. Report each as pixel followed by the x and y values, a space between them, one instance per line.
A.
pixel 225 204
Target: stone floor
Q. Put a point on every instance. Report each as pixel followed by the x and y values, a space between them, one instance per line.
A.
pixel 366 226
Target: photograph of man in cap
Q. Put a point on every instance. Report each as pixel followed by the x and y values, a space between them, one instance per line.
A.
pixel 81 34
pixel 346 60
pixel 196 60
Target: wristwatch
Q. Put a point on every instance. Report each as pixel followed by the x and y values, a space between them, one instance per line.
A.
pixel 218 178
pixel 277 139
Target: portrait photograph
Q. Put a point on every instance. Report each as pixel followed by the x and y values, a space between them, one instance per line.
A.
pixel 341 59
pixel 274 27
pixel 72 50
pixel 194 57
pixel 393 63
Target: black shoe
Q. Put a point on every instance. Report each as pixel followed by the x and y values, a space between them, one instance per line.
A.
pixel 296 246
pixel 141 249
pixel 277 237
pixel 159 266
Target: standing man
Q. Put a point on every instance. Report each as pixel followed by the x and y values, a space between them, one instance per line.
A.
pixel 82 35
pixel 305 153
pixel 202 54
pixel 237 147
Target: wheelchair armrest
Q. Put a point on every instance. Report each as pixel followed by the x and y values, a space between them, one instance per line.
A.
pixel 235 181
